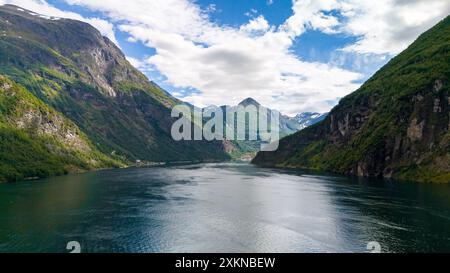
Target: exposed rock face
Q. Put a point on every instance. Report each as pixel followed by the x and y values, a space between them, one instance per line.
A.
pixel 438 85
pixel 395 126
pixel 51 124
pixel 415 130
pixel 25 112
pixel 37 141
pixel 229 147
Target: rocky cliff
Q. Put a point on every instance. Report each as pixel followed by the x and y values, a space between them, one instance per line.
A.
pixel 395 126
pixel 37 141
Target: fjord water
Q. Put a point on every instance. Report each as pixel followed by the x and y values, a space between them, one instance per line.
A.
pixel 223 207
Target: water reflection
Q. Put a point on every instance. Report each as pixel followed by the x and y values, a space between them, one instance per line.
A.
pixel 222 208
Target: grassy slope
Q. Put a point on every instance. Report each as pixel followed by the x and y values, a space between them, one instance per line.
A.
pixel 34 142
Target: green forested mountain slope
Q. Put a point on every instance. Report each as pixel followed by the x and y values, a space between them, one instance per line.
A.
pixel 72 68
pixel 37 141
pixel 396 125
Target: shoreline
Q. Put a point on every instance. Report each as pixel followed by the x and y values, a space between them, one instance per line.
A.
pixel 328 172
pixel 131 166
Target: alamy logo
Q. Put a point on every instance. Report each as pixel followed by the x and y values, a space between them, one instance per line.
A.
pixel 240 123
pixel 74 247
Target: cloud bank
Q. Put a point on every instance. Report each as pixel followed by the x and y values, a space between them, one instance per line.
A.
pixel 227 64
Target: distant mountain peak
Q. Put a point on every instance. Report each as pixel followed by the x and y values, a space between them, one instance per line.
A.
pixel 309 115
pixel 307 119
pixel 249 101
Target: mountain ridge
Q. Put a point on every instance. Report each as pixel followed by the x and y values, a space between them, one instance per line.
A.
pixel 287 125
pixel 69 66
pixel 395 126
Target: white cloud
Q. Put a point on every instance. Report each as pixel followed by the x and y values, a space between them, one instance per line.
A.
pixel 42 7
pixel 211 8
pixel 389 26
pixel 384 26
pixel 256 25
pixel 309 13
pixel 228 64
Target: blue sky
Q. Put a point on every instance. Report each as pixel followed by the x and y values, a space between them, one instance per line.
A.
pixel 294 56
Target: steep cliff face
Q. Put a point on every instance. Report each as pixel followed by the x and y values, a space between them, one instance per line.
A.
pixel 69 66
pixel 395 126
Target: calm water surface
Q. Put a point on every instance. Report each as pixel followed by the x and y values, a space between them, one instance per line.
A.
pixel 222 208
